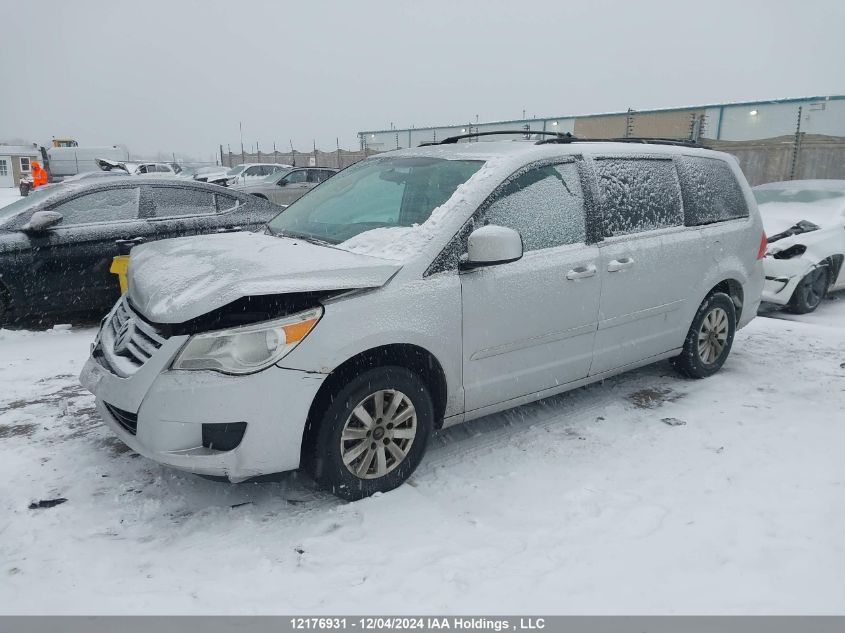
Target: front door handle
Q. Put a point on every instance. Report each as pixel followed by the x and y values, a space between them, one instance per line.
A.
pixel 230 229
pixel 124 246
pixel 619 264
pixel 581 272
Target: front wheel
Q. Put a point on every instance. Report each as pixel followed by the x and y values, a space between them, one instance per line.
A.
pixel 810 291
pixel 372 434
pixel 709 339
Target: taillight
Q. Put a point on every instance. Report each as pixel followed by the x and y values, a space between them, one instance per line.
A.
pixel 761 253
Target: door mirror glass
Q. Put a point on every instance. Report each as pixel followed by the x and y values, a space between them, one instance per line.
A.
pixel 283 182
pixel 42 220
pixel 491 245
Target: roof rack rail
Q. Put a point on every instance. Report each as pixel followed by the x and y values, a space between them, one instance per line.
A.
pixel 627 139
pixel 451 140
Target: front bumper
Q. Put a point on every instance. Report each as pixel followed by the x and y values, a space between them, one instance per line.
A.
pixel 782 277
pixel 170 408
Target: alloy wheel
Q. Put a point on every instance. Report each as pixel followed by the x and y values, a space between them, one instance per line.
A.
pixel 713 335
pixel 378 434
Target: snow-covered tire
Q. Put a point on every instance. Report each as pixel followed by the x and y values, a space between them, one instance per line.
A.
pixel 810 291
pixel 371 434
pixel 709 339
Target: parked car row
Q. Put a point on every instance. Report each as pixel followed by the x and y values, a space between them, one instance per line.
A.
pixel 239 174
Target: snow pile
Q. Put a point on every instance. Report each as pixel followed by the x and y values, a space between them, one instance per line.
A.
pixel 8 195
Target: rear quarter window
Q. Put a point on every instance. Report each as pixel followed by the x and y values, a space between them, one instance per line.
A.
pixel 711 191
pixel 638 194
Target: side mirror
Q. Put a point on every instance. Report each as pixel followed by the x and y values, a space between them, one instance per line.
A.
pixel 491 245
pixel 41 221
pixel 283 183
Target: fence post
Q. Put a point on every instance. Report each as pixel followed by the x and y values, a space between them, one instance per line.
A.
pixel 796 147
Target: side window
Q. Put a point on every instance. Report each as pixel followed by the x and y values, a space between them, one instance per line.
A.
pixel 296 177
pixel 315 176
pixel 164 169
pixel 636 195
pixel 711 192
pixel 176 201
pixel 544 204
pixel 226 203
pixel 112 205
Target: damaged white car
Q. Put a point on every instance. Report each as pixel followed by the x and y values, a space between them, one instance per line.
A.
pixel 805 222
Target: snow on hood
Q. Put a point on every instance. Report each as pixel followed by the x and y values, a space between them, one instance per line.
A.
pixel 173 281
pixel 779 216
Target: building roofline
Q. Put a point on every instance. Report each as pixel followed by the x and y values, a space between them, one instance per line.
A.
pixel 615 113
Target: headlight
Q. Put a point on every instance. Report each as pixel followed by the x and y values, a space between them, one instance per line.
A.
pixel 247 349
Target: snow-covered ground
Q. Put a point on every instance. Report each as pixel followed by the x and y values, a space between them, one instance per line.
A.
pixel 645 494
pixel 8 195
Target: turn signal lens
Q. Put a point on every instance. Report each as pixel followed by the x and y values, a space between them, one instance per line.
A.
pixel 764 243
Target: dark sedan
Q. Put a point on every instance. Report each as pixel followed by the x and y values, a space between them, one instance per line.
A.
pixel 57 245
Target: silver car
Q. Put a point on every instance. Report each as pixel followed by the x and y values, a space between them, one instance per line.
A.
pixel 288 185
pixel 423 288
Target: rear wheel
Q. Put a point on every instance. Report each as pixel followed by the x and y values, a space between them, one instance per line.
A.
pixel 372 433
pixel 709 339
pixel 810 291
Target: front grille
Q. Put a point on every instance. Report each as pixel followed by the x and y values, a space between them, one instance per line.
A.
pixel 128 421
pixel 132 338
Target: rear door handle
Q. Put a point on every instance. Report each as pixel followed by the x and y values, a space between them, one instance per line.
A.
pixel 619 264
pixel 581 272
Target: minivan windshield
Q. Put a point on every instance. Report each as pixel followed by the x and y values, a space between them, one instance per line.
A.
pixel 374 194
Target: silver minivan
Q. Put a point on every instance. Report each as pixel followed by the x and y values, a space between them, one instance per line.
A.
pixel 419 289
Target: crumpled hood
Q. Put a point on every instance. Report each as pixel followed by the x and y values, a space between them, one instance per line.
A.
pixel 779 216
pixel 173 281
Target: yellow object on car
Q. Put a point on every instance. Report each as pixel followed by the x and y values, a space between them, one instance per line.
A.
pixel 119 265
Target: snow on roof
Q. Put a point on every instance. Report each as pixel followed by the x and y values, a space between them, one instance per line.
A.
pixel 19 150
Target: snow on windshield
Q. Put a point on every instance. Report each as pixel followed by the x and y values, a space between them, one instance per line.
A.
pixel 386 207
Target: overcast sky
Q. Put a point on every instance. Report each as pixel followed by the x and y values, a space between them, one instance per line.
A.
pixel 179 75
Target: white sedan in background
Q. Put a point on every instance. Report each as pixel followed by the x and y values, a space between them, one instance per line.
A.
pixel 805 222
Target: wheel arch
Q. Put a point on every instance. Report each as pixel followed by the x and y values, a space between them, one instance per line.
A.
pixel 733 289
pixel 835 265
pixel 412 357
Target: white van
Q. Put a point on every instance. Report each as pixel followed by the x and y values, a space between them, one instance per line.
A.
pixel 419 289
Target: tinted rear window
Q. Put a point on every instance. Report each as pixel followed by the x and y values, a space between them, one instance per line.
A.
pixel 711 192
pixel 638 194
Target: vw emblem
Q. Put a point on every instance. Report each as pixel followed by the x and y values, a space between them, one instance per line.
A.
pixel 124 335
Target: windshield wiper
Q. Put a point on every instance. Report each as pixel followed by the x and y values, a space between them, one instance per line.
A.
pixel 300 236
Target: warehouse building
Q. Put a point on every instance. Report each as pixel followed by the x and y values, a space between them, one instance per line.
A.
pixel 778 139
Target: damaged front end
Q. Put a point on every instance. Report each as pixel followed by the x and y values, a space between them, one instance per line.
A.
pixel 786 263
